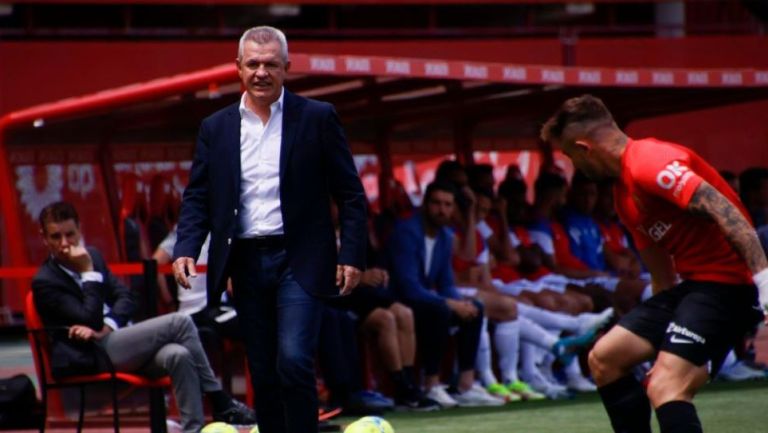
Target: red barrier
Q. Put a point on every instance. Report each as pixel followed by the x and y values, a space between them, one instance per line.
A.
pixel 116 268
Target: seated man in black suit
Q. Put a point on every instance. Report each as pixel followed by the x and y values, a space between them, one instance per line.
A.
pixel 75 289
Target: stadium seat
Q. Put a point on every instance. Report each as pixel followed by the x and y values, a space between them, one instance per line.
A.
pixel 38 339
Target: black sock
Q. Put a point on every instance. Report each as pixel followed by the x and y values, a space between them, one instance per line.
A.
pixel 678 417
pixel 410 375
pixel 220 400
pixel 340 395
pixel 400 381
pixel 627 405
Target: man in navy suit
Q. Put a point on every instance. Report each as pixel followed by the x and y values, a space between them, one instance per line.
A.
pixel 74 289
pixel 263 173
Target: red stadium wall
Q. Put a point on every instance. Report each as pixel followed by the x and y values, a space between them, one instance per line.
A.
pixel 692 52
pixel 732 138
pixel 37 72
pixel 40 72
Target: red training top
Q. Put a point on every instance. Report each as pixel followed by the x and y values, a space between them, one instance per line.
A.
pixel 613 234
pixel 461 265
pixel 656 184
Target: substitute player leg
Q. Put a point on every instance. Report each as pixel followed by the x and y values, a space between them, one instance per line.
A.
pixel 672 385
pixel 611 362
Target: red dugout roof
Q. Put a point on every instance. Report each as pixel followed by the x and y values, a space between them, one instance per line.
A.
pixel 329 2
pixel 389 105
pixel 528 74
pixel 401 68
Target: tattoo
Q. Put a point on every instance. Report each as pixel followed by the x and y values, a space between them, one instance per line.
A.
pixel 709 202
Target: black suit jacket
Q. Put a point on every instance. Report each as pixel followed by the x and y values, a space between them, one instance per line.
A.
pixel 315 165
pixel 62 303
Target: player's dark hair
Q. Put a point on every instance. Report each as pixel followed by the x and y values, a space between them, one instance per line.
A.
pixel 483 192
pixel 547 182
pixel 439 185
pixel 476 172
pixel 512 187
pixel 585 110
pixel 447 169
pixel 58 212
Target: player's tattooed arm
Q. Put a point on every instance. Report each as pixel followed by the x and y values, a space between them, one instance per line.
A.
pixel 708 201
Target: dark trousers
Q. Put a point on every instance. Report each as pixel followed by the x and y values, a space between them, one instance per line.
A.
pixel 339 358
pixel 279 323
pixel 434 321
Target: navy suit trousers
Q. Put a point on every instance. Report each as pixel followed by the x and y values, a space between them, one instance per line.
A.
pixel 279 322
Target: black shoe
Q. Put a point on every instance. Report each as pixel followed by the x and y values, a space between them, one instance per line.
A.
pixel 237 413
pixel 325 426
pixel 413 399
pixel 420 404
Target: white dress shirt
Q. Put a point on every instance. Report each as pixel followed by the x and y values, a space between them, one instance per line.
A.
pixel 260 171
pixel 429 250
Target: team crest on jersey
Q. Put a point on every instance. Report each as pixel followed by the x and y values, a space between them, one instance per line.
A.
pixel 674 175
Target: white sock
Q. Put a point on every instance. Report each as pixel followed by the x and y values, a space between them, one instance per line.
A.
pixel 507 342
pixel 545 364
pixel 548 319
pixel 483 359
pixel 730 360
pixel 531 332
pixel 528 360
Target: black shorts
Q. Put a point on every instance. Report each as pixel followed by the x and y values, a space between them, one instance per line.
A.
pixel 698 321
pixel 363 300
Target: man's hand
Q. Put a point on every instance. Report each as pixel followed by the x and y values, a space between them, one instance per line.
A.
pixel 82 333
pixel 466 310
pixel 78 259
pixel 375 277
pixel 182 267
pixel 347 278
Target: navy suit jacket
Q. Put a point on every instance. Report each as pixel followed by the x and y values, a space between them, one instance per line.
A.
pixel 315 166
pixel 62 303
pixel 407 258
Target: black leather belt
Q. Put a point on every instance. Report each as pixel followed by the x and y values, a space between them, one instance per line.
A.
pixel 264 242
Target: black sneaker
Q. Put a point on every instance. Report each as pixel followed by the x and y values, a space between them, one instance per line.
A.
pixel 325 426
pixel 419 404
pixel 237 414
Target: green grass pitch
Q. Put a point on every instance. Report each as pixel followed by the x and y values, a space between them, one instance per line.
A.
pixel 723 408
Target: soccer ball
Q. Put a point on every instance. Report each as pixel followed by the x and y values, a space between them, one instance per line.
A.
pixel 370 424
pixel 218 427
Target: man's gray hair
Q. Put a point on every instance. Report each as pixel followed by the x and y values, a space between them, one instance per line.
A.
pixel 263 35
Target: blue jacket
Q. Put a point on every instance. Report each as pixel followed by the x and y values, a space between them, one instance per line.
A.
pixel 315 165
pixel 407 256
pixel 585 239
